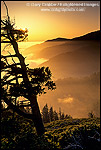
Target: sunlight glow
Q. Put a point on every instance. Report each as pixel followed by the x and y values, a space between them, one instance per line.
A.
pixel 46 25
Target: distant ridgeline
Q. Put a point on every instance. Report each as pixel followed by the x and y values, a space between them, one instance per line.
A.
pixel 90 36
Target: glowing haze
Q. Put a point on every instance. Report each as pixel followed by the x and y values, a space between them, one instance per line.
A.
pixel 44 25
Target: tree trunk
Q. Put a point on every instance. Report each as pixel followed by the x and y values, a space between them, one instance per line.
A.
pixel 31 97
pixel 36 115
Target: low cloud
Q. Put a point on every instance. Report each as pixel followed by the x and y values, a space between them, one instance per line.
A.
pixel 68 99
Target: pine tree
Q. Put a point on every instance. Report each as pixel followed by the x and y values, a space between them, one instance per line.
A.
pixel 59 113
pixel 91 114
pixel 55 116
pixel 62 116
pixel 45 114
pixel 66 116
pixel 51 114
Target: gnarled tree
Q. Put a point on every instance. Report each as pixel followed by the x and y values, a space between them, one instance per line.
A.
pixel 18 80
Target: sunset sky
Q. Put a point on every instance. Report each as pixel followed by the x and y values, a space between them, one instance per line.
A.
pixel 44 25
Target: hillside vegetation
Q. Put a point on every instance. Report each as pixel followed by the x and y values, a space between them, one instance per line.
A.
pixel 19 133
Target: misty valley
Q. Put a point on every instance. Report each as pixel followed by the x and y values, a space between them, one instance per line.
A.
pixel 75 67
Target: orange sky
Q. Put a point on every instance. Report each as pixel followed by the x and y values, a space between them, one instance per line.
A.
pixel 44 25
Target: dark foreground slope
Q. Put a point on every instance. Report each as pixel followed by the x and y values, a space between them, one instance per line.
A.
pixel 20 134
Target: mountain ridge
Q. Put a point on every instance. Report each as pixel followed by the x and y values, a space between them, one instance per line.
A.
pixel 83 61
pixel 57 39
pixel 95 35
pixel 36 49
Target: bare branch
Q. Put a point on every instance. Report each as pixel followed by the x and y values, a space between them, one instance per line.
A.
pixel 3 22
pixel 12 58
pixel 7 82
pixel 8 56
pixel 6 10
pixel 25 105
pixel 5 47
pixel 6 61
pixel 9 66
pixel 6 77
pixel 5 42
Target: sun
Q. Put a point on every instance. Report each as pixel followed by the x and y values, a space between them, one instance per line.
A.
pixel 23 28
